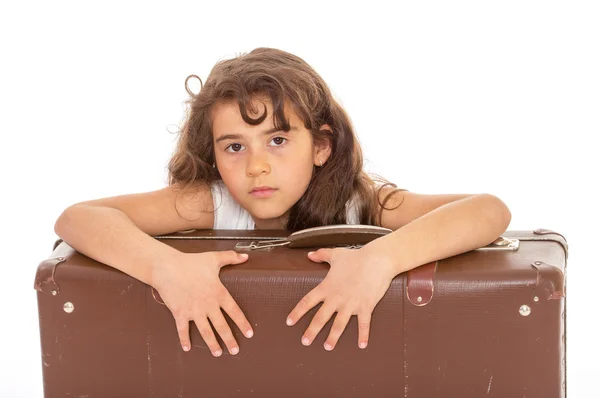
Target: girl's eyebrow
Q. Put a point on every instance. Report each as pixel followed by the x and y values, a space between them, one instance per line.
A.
pixel 237 136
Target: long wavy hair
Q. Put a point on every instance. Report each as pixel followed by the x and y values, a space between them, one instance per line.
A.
pixel 282 77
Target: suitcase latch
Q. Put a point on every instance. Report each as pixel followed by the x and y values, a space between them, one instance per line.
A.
pixel 262 245
pixel 502 243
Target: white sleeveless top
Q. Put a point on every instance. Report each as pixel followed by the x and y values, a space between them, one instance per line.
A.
pixel 230 215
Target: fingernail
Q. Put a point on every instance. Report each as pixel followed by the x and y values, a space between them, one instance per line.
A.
pixel 305 341
pixel 244 255
pixel 328 346
pixel 235 350
pixel 249 333
pixel 309 253
pixel 363 344
pixel 185 348
pixel 289 322
pixel 218 353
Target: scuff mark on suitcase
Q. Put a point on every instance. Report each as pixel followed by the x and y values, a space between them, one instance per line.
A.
pixel 151 393
pixel 123 292
pixel 44 356
pixel 44 281
pixel 444 372
pixel 553 289
pixel 490 385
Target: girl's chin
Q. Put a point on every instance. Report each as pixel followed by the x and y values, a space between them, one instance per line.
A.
pixel 270 217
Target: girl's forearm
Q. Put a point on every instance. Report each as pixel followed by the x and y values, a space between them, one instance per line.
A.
pixel 449 230
pixel 109 236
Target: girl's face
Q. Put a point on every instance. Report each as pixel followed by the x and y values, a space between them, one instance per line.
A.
pixel 250 157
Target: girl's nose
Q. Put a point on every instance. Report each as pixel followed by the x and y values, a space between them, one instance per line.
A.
pixel 257 165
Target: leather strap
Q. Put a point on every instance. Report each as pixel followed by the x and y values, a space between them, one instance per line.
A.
pixel 419 283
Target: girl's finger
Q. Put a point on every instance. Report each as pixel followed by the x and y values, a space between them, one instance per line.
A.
pixel 305 304
pixel 230 257
pixel 364 325
pixel 183 331
pixel 222 327
pixel 320 319
pixel 237 315
pixel 321 255
pixel 208 335
pixel 339 325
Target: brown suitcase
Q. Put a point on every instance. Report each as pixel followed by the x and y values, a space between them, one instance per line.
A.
pixel 489 322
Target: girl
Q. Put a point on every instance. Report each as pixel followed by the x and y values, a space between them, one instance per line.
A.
pixel 266 146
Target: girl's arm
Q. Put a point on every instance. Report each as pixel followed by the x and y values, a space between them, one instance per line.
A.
pixel 433 230
pixel 111 236
pixel 117 231
pixel 427 228
pixel 107 235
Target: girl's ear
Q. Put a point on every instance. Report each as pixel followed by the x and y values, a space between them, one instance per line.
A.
pixel 323 147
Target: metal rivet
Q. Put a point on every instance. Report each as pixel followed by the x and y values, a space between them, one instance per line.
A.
pixel 537 263
pixel 536 299
pixel 525 310
pixel 68 307
pixel 54 292
pixel 419 299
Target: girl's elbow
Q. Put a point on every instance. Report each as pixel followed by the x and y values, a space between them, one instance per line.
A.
pixel 498 212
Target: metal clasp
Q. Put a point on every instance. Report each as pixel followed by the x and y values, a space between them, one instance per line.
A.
pixel 358 246
pixel 502 243
pixel 262 245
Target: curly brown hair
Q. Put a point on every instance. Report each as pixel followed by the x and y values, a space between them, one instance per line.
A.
pixel 282 77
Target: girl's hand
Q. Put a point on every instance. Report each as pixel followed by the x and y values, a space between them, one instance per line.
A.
pixel 192 290
pixel 355 283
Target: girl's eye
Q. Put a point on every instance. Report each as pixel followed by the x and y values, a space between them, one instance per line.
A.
pixel 235 147
pixel 280 141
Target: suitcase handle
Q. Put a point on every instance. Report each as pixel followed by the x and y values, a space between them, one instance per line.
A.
pixel 348 236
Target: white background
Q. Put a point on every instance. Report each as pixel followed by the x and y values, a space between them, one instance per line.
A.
pixel 448 97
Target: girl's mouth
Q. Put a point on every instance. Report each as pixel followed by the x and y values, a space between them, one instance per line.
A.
pixel 262 192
